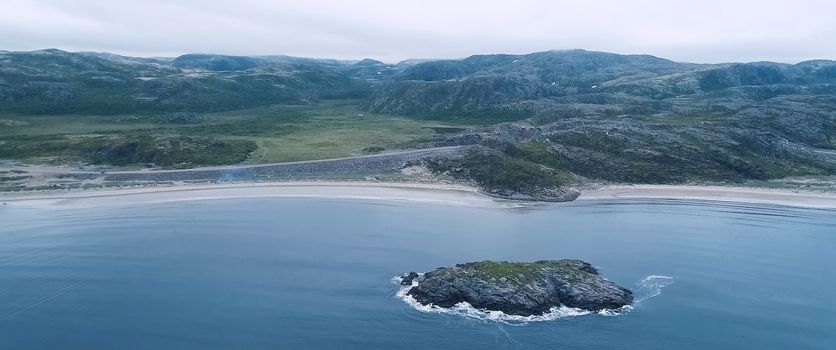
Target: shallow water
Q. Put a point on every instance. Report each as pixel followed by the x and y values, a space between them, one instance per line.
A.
pixel 316 274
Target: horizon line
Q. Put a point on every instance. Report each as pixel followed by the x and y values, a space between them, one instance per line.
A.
pixel 174 56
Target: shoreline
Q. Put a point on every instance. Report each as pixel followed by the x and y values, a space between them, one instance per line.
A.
pixel 438 193
pixel 352 190
pixel 729 194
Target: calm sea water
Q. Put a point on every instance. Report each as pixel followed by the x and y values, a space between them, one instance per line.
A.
pixel 316 274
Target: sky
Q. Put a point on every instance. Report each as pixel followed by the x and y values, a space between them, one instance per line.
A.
pixel 704 31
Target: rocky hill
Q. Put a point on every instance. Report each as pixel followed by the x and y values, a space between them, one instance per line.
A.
pixel 541 121
pixel 544 82
pixel 58 82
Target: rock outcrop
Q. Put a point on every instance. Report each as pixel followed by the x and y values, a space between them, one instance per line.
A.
pixel 518 288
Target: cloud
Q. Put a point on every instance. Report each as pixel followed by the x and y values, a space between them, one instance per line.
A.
pixel 704 31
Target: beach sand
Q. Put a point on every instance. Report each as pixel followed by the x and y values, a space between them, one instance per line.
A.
pixel 715 193
pixel 401 192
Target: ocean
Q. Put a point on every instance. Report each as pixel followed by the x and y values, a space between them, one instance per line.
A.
pixel 306 273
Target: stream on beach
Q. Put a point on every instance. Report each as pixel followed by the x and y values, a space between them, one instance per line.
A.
pixel 307 273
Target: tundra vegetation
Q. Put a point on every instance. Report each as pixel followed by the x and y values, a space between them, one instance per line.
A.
pixel 536 121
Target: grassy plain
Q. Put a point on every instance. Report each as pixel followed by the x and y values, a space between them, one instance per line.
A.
pixel 277 134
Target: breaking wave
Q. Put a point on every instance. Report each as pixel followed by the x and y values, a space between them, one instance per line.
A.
pixel 651 286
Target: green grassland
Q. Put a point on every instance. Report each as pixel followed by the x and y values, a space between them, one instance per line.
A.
pixel 524 273
pixel 262 135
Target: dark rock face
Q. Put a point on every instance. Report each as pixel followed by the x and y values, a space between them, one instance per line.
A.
pixel 407 279
pixel 520 288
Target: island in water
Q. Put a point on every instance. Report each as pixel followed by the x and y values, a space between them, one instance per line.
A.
pixel 517 288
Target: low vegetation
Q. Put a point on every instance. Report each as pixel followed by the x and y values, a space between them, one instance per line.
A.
pixel 541 120
pixel 500 173
pixel 524 272
pixel 169 151
pixel 279 133
pixel 166 151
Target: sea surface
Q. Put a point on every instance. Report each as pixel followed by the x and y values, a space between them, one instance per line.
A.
pixel 317 274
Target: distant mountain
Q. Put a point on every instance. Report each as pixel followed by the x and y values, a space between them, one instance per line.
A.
pixel 535 83
pixel 58 82
pixel 216 62
pixel 370 69
pixel 545 117
pixel 55 82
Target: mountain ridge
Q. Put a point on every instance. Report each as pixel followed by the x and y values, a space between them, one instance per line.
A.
pixel 541 121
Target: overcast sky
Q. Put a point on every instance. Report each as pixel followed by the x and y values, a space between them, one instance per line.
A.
pixel 694 31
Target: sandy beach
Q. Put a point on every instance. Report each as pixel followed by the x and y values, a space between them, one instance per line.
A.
pixel 371 191
pixel 400 192
pixel 714 193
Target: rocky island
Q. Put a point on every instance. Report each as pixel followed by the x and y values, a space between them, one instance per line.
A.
pixel 516 288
